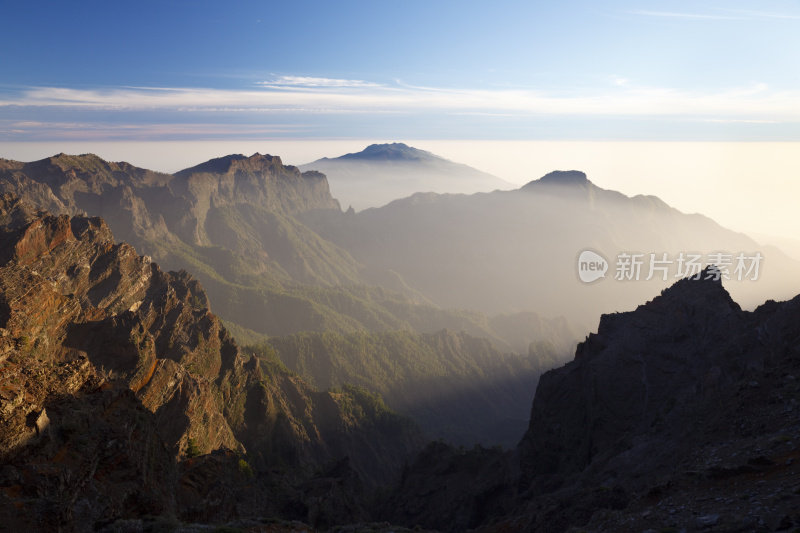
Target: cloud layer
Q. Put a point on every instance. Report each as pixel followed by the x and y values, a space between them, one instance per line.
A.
pixel 287 101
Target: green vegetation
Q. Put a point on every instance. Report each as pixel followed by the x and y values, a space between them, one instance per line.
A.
pixel 245 228
pixel 457 387
pixel 24 342
pixel 255 249
pixel 380 360
pixel 268 359
pixel 245 468
pixel 192 449
pixel 368 409
pixel 243 335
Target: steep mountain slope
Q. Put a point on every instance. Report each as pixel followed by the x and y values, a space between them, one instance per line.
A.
pixel 457 387
pixel 384 172
pixel 518 250
pixel 680 415
pixel 117 379
pixel 113 369
pixel 190 209
pixel 234 223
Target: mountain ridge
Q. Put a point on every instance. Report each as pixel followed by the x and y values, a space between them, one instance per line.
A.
pixel 388 151
pixel 234 224
pixel 502 244
pixel 382 173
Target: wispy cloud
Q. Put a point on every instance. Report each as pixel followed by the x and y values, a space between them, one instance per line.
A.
pixel 756 101
pixel 103 131
pixel 324 108
pixel 313 82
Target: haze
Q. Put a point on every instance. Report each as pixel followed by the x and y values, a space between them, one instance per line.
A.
pixel 305 265
pixel 746 186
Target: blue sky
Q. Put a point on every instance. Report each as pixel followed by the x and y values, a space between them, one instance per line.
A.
pixel 188 70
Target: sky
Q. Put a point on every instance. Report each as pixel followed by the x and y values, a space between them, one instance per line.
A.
pixel 297 75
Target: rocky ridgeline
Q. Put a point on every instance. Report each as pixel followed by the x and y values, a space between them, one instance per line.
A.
pixel 682 415
pixel 231 221
pixel 116 377
pixel 148 204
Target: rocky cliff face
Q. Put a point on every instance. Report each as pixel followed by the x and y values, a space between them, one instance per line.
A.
pixel 232 222
pixel 146 207
pixel 639 370
pixel 113 370
pixel 669 416
pixel 680 415
pixel 70 294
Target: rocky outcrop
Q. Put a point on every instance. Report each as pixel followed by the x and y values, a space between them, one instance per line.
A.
pixel 677 409
pixel 680 415
pixel 113 370
pixel 639 370
pixel 146 207
pixel 259 179
pixel 70 294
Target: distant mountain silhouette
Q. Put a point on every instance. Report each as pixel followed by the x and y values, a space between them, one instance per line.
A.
pixel 508 251
pixel 384 172
pixel 388 152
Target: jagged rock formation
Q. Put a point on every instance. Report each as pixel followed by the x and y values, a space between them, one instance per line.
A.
pixel 671 353
pixel 113 369
pixel 679 399
pixel 681 414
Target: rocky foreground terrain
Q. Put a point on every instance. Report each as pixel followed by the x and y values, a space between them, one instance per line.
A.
pixel 126 406
pixel 683 415
pixel 122 396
